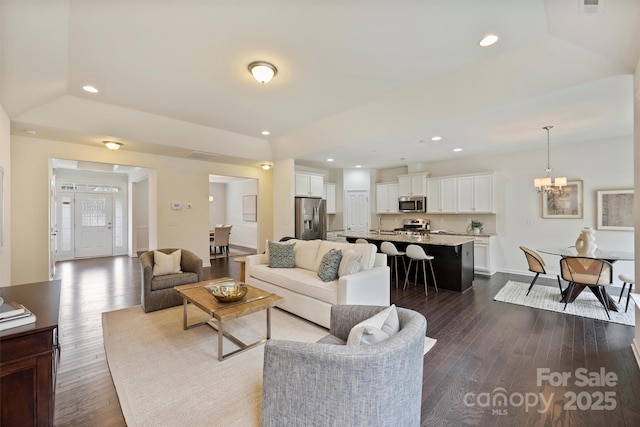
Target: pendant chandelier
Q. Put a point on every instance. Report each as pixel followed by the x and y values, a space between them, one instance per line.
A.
pixel 548 184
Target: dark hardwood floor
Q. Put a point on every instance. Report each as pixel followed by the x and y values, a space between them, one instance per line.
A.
pixel 485 350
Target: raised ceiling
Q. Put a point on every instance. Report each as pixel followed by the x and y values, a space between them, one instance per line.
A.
pixel 360 82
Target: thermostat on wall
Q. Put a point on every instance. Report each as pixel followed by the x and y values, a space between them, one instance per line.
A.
pixel 176 206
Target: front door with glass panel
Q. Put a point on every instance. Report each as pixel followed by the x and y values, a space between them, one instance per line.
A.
pixel 93 225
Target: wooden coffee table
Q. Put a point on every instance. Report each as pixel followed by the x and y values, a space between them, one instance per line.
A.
pixel 220 313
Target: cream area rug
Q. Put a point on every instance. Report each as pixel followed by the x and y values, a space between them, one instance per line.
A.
pixel 166 376
pixel 548 298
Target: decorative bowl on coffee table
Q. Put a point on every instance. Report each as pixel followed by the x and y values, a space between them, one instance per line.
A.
pixel 228 291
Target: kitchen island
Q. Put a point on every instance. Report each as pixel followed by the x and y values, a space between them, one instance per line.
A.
pixel 453 255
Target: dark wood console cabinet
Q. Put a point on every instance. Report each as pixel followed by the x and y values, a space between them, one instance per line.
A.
pixel 29 357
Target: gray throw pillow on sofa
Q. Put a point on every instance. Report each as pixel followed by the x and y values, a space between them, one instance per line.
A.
pixel 281 255
pixel 329 265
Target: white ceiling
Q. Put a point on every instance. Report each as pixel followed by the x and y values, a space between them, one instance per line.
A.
pixel 361 82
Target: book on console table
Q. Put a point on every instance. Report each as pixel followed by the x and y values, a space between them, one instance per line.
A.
pixel 21 316
pixel 11 309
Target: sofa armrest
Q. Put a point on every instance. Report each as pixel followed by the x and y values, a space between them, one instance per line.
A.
pixel 146 270
pixel 252 260
pixel 380 260
pixel 368 287
pixel 190 262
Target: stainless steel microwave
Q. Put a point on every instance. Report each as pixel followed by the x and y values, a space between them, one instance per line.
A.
pixel 412 204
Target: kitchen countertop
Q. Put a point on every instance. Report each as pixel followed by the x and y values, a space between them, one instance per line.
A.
pixel 430 239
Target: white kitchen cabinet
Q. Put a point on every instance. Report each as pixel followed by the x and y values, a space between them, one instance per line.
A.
pixel 308 185
pixel 441 195
pixel 330 195
pixel 387 198
pixel 475 194
pixel 483 254
pixel 412 185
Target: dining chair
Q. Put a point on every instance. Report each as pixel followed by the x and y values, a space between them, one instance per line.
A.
pixel 416 253
pixel 392 252
pixel 221 240
pixel 537 265
pixel 589 272
pixel 631 281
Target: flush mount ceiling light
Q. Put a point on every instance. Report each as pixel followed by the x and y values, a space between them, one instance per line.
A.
pixel 265 166
pixel 90 89
pixel 112 145
pixel 263 71
pixel 488 40
pixel 547 184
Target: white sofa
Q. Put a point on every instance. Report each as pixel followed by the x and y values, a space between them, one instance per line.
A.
pixel 306 295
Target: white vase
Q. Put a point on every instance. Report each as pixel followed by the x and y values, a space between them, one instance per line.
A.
pixel 586 242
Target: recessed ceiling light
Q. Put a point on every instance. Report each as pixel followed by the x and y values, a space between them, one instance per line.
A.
pixel 457 149
pixel 488 40
pixel 265 166
pixel 436 138
pixel 90 89
pixel 329 160
pixel 266 132
pixel 358 166
pixel 30 131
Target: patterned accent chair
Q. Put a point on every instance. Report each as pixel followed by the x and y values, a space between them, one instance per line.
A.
pixel 330 383
pixel 157 291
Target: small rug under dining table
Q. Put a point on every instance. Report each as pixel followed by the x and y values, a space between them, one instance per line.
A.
pixel 548 298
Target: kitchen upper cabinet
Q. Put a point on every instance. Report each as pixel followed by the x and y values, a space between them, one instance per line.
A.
pixel 387 198
pixel 412 185
pixel 330 194
pixel 441 195
pixel 460 194
pixel 309 185
pixel 475 194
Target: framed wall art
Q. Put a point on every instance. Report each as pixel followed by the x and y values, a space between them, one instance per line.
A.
pixel 615 210
pixel 566 204
pixel 250 208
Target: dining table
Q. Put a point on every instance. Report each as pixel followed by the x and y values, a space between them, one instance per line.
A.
pixel 609 255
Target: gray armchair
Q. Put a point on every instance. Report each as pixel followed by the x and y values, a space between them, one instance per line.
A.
pixel 330 384
pixel 157 291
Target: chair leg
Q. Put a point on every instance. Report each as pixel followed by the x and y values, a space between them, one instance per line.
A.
pixel 569 291
pixel 628 297
pixel 605 304
pixel 415 276
pixel 424 273
pixel 624 285
pixel 433 275
pixel 533 282
pixel 395 268
pixel 559 284
pixel 406 276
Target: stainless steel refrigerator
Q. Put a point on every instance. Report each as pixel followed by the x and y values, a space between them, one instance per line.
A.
pixel 311 218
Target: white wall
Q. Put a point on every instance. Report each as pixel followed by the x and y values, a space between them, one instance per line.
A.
pixel 243 233
pixel 217 208
pixel 5 156
pixel 604 164
pixel 181 180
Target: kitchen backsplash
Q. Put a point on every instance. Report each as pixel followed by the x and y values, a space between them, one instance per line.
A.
pixel 456 223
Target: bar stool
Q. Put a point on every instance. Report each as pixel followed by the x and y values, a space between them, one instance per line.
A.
pixel 415 252
pixel 631 281
pixel 361 241
pixel 391 251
